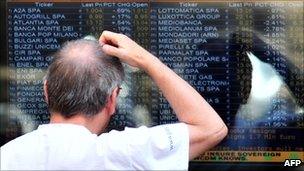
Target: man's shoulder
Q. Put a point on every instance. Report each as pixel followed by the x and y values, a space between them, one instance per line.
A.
pixel 23 140
pixel 18 148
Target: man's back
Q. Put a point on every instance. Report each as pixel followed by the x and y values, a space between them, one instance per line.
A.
pixel 68 146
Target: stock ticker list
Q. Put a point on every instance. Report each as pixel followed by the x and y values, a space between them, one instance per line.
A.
pixel 245 58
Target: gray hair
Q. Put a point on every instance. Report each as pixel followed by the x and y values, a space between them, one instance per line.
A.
pixel 81 78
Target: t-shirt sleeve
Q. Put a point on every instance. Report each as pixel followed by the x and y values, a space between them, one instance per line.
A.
pixel 163 147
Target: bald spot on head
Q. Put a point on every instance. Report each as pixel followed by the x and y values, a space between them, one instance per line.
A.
pixel 81 77
pixel 82 52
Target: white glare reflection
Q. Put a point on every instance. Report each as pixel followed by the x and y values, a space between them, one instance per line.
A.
pixel 268 95
pixel 265 80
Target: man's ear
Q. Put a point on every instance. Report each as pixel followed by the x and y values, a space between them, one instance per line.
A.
pixel 46 96
pixel 112 100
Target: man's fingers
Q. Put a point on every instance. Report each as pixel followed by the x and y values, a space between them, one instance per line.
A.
pixel 110 50
pixel 108 36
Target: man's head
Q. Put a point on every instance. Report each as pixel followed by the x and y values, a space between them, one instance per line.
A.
pixel 81 79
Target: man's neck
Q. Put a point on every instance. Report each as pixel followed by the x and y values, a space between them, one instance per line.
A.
pixel 93 124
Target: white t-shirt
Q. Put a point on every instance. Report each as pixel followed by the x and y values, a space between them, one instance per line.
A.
pixel 73 147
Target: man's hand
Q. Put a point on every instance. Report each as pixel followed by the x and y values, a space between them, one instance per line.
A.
pixel 124 48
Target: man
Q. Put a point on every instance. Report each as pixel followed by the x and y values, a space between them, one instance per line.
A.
pixel 81 89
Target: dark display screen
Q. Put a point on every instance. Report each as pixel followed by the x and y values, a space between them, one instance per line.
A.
pixel 245 58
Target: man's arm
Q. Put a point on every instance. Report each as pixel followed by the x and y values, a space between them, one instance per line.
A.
pixel 206 128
